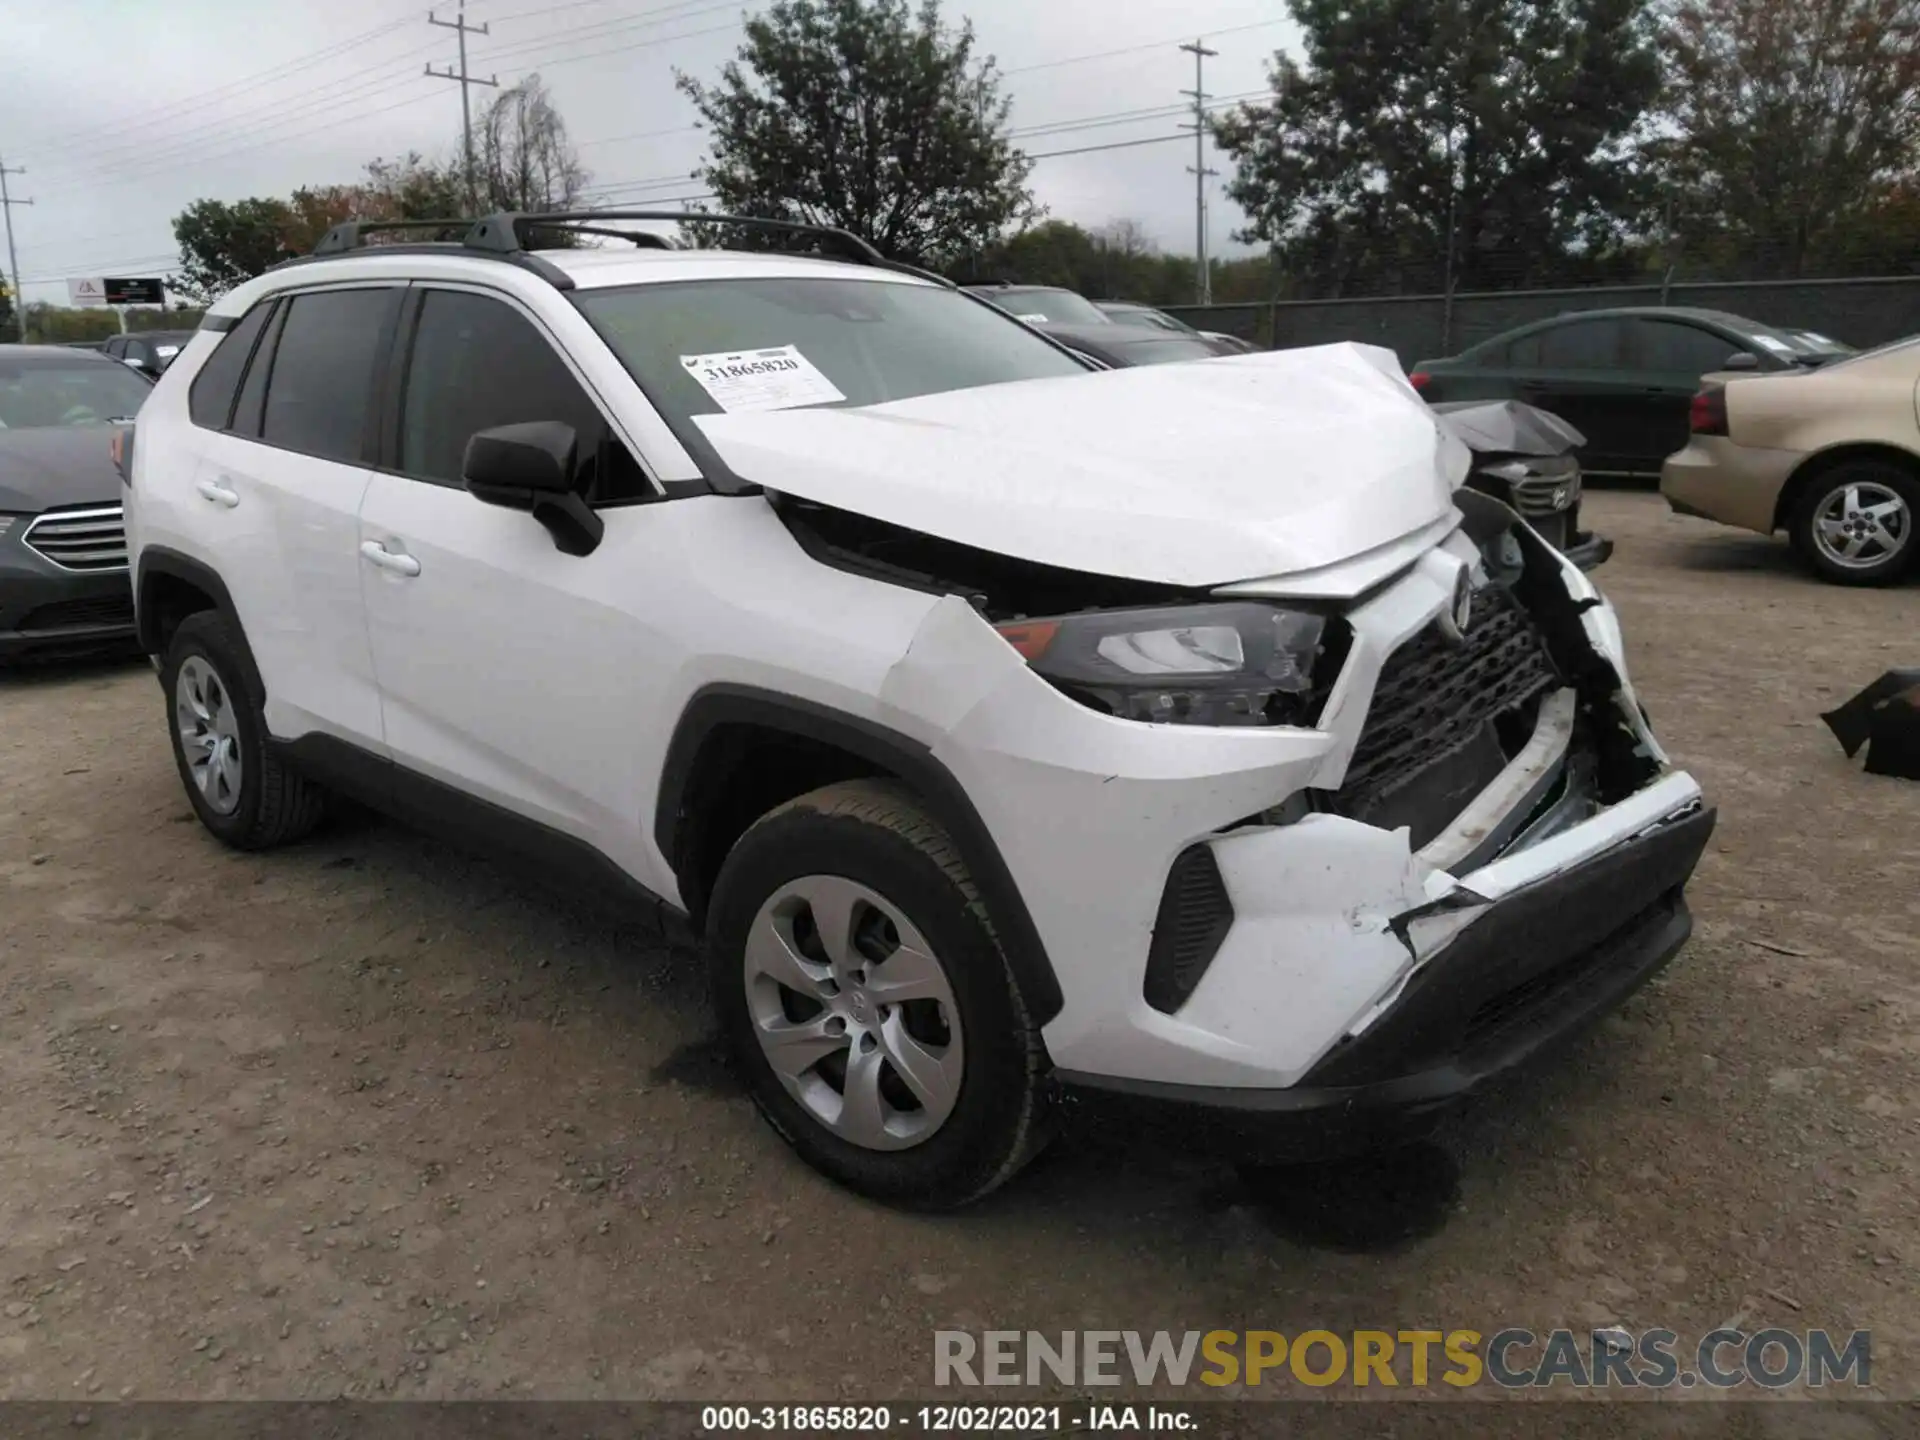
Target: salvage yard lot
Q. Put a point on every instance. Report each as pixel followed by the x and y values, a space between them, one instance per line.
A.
pixel 368 1117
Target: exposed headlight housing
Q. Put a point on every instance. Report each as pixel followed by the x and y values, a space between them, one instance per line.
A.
pixel 1233 663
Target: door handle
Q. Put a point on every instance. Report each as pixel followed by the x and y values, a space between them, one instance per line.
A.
pixel 218 492
pixel 374 551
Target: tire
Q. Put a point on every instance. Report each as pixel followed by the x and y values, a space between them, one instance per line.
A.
pixel 240 791
pixel 1888 492
pixel 866 850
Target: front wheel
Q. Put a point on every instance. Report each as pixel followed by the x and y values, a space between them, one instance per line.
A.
pixel 865 1000
pixel 1855 524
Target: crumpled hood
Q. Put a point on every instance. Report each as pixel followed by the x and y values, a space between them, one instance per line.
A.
pixel 1199 474
pixel 1509 427
pixel 47 466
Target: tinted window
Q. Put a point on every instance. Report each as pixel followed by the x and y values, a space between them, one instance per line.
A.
pixel 253 390
pixel 1062 307
pixel 322 381
pixel 1524 351
pixel 1164 352
pixel 477 363
pixel 1583 345
pixel 210 401
pixel 1684 349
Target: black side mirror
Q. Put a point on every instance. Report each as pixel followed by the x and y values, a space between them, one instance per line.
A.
pixel 1742 360
pixel 531 467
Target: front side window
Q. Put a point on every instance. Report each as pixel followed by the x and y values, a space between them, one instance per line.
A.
pixel 320 389
pixel 477 363
pixel 705 347
pixel 49 394
pixel 1683 349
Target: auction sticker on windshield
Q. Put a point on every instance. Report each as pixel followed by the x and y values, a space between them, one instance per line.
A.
pixel 747 380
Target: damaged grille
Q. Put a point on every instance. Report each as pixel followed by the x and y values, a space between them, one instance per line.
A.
pixel 1436 700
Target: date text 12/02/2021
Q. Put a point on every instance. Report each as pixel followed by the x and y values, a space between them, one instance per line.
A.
pixel 946 1419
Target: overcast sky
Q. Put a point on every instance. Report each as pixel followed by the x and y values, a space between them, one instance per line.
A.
pixel 124 111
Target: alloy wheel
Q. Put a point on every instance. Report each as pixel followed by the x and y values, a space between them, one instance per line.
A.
pixel 205 716
pixel 854 1012
pixel 1862 524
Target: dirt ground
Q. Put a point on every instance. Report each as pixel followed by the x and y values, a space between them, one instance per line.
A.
pixel 370 1118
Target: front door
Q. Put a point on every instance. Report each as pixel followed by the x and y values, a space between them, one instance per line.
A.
pixel 1578 371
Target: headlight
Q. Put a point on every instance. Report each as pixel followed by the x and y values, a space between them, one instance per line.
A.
pixel 1234 663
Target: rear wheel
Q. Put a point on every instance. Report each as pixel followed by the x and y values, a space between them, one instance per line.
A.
pixel 866 1002
pixel 238 788
pixel 1855 524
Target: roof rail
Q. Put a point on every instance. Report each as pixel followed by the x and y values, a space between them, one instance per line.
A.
pixel 500 233
pixel 503 235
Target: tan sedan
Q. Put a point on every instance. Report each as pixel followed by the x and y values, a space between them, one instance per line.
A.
pixel 1831 456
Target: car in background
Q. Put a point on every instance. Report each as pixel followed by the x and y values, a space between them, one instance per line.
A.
pixel 63 549
pixel 1525 459
pixel 1625 378
pixel 1831 456
pixel 1083 327
pixel 1132 312
pixel 149 351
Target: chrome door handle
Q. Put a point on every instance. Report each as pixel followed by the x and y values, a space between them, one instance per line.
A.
pixel 217 492
pixel 374 551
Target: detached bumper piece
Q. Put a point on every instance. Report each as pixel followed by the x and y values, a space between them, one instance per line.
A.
pixel 1536 967
pixel 1884 717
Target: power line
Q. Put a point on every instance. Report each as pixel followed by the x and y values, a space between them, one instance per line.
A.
pixel 1137 49
pixel 1110 145
pixel 460 26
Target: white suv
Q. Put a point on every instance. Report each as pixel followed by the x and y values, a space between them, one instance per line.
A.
pixel 1013 732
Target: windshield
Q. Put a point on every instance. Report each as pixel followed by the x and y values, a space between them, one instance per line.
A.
pixel 706 347
pixel 1045 306
pixel 41 395
pixel 1803 347
pixel 1814 343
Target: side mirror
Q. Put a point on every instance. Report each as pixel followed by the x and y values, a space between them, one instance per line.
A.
pixel 1742 360
pixel 531 467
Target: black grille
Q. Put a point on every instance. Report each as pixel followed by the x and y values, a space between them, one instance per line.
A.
pixel 1195 916
pixel 1435 698
pixel 90 539
pixel 78 614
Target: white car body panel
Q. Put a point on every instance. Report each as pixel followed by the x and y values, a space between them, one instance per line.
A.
pixel 1202 473
pixel 551 684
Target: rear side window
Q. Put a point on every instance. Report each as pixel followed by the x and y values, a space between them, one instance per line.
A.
pixel 321 386
pixel 1584 345
pixel 477 363
pixel 210 400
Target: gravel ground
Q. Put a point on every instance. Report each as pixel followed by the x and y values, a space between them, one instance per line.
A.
pixel 370 1118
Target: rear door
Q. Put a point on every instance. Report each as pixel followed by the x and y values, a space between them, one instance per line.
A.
pixel 280 486
pixel 1670 356
pixel 1577 369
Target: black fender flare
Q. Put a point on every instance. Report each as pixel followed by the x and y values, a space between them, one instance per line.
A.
pixel 946 799
pixel 157 560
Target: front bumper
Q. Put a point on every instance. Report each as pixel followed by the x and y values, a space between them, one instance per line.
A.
pixel 1532 969
pixel 1589 551
pixel 47 611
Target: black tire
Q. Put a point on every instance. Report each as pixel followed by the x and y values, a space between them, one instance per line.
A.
pixel 875 833
pixel 273 805
pixel 1888 475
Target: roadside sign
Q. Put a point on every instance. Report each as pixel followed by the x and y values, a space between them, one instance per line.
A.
pixel 143 291
pixel 86 292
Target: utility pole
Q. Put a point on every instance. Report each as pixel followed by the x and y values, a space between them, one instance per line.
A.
pixel 7 202
pixel 459 25
pixel 1199 170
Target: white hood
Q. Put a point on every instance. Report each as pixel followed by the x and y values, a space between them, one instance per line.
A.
pixel 1194 474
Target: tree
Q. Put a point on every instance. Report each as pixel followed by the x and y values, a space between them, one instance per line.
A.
pixel 525 160
pixel 870 116
pixel 1495 133
pixel 222 245
pixel 1786 126
pixel 9 330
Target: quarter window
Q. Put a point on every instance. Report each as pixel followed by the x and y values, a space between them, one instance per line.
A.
pixel 321 385
pixel 210 399
pixel 477 363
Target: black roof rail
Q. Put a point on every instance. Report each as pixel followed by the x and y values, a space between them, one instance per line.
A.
pixel 503 235
pixel 500 233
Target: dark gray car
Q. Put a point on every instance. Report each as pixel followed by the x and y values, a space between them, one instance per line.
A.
pixel 63 546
